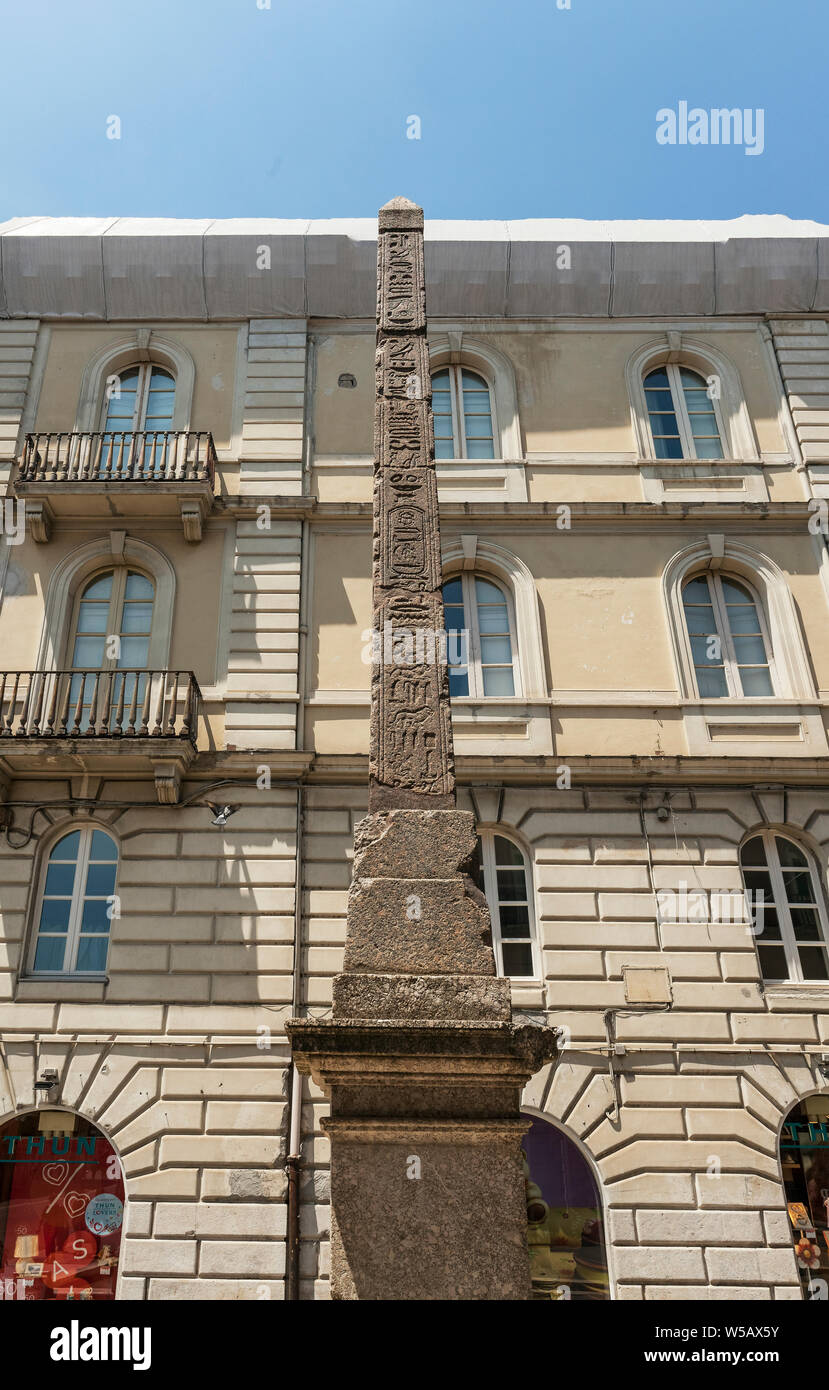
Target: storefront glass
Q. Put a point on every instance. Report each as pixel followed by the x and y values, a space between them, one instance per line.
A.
pixel 568 1259
pixel 61 1208
pixel 804 1154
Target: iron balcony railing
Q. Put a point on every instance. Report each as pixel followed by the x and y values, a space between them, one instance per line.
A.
pixel 99 704
pixel 140 456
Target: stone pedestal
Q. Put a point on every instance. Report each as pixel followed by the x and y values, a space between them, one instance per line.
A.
pixel 424 1069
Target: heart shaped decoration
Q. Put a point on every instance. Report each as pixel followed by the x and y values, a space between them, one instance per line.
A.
pixel 74 1203
pixel 56 1173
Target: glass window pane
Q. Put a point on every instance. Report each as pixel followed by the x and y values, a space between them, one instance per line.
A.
pixel 67 847
pixel 92 617
pixel 700 618
pixel 708 448
pixel 507 853
pixel 134 652
pixel 493 619
pixel 773 962
pixel 750 651
pixel 138 586
pixel 479 449
pixel 103 846
pixel 766 919
pixel 806 924
pixel 712 683
pixel 88 652
pixel 813 962
pixel 54 914
pixel 440 380
pixel 756 681
pixel 92 953
pixel 489 593
pixel 791 857
pixel 696 591
pixel 50 953
pixel 512 885
pixel 458 682
pixel 659 401
pixel 477 427
pixel 697 400
pixel 658 377
pixel 798 886
pixel 453 591
pixel 518 960
pixel 754 851
pixel 758 881
pixel 735 593
pixel 668 448
pixel 498 681
pixel 495 649
pixel 94 917
pixel 137 617
pixel 100 880
pixel 707 650
pixel 515 920
pixel 743 619
pixel 444 449
pixel 60 879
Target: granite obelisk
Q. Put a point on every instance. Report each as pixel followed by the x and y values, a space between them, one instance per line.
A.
pixel 422 1061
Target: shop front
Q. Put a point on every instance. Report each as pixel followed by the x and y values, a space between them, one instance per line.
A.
pixel 61 1208
pixel 804 1158
pixel 565 1230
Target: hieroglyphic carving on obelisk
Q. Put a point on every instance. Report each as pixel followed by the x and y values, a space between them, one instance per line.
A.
pixel 411 762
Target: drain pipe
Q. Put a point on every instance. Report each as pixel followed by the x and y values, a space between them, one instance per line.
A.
pixel 293 1160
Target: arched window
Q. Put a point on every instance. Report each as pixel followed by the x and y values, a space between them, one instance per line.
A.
pixel 729 639
pixel 140 398
pixel 75 904
pixel 481 653
pixel 462 409
pixel 111 631
pixel 501 872
pixel 787 908
pixel 565 1230
pixel 684 419
pixel 61 1208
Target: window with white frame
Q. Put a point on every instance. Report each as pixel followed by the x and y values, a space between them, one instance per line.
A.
pixel 463 415
pixel 787 908
pixel 685 421
pixel 111 631
pixel 729 638
pixel 481 651
pixel 75 905
pixel 141 397
pixel 500 870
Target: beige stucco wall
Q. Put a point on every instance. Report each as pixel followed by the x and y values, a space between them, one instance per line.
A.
pixel 213 348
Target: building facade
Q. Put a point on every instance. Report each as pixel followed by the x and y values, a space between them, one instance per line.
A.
pixel 632 435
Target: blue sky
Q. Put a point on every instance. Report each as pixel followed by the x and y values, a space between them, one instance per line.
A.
pixel 300 110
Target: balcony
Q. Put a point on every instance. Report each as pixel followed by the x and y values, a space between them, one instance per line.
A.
pixel 145 472
pixel 78 721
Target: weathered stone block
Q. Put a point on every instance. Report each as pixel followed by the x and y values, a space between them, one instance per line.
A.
pixel 413 844
pixel 421 997
pixel 417 926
